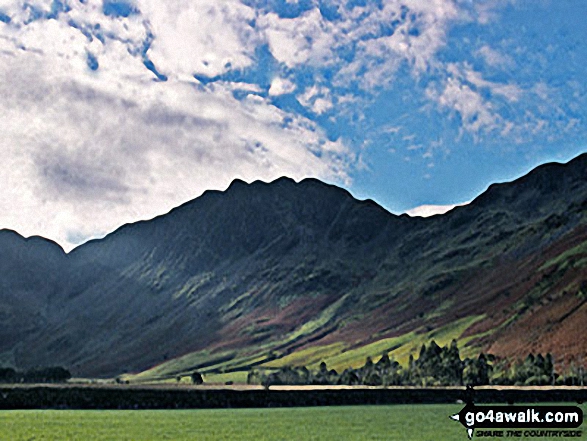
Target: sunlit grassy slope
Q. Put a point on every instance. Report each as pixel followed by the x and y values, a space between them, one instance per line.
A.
pixel 232 366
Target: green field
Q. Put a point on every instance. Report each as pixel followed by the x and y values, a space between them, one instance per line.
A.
pixel 401 422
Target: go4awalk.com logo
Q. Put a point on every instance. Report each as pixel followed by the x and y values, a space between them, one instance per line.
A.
pixel 518 421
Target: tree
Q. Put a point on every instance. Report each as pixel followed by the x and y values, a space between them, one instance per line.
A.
pixel 349 378
pixel 549 367
pixel 373 379
pixel 55 374
pixel 197 378
pixel 253 377
pixel 429 364
pixel 384 362
pixel 322 377
pixel 477 372
pixel 452 365
pixel 7 375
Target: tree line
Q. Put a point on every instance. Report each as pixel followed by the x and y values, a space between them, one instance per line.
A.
pixel 435 366
pixel 55 374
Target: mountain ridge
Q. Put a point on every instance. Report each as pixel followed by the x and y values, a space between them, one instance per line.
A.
pixel 238 181
pixel 265 271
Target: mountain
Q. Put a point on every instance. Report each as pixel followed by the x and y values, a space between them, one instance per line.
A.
pixel 268 274
pixel 28 269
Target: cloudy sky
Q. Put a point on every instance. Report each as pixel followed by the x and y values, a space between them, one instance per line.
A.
pixel 115 111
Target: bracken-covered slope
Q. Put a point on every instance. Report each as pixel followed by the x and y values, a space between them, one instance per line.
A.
pixel 294 273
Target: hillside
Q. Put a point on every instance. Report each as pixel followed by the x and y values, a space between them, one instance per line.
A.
pixel 268 274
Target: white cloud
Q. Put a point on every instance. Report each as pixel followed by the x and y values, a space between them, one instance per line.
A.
pixel 419 39
pixel 322 105
pixel 205 37
pixel 419 30
pixel 431 210
pixel 509 91
pixel 316 98
pixel 307 39
pixel 84 151
pixel 486 11
pixel 495 58
pixel 391 129
pixel 542 90
pixel 281 86
pixel 475 113
pixel 460 93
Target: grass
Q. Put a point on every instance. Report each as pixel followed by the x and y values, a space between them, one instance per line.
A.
pixel 565 256
pixel 205 362
pixel 181 365
pixel 236 377
pixel 230 360
pixel 325 423
pixel 400 422
pixel 355 358
pixel 319 322
pixel 402 346
pixel 336 355
pixel 308 356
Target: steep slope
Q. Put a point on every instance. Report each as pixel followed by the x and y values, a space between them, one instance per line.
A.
pixel 503 234
pixel 30 274
pixel 262 272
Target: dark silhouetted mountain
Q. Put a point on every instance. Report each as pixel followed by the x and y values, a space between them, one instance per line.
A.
pixel 264 270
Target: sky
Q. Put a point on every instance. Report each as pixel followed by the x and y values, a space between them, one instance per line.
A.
pixel 116 111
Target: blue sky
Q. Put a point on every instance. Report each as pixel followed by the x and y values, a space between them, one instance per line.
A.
pixel 115 111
